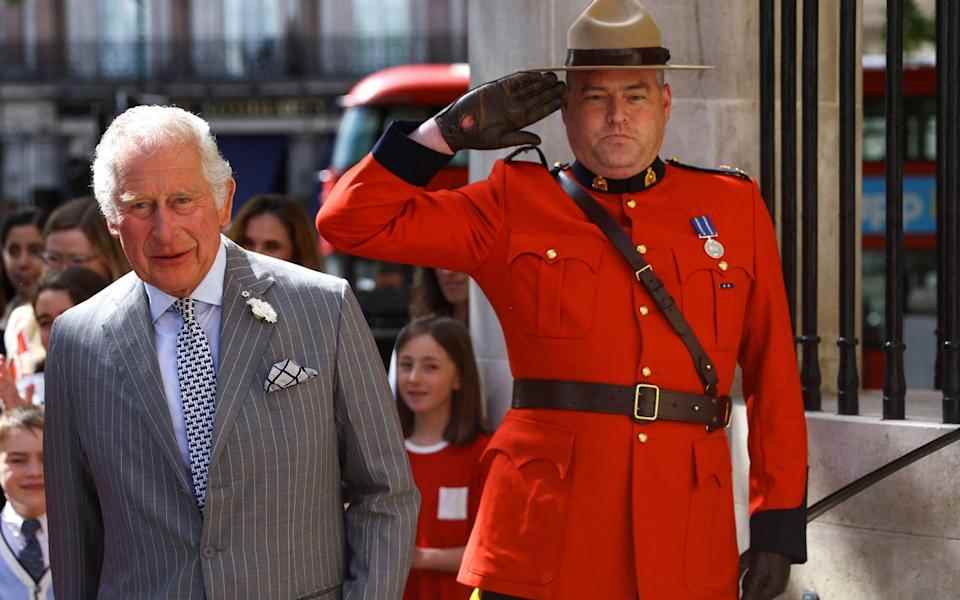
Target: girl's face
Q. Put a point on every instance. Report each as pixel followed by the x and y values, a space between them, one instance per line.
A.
pixel 22 256
pixel 454 286
pixel 50 304
pixel 426 375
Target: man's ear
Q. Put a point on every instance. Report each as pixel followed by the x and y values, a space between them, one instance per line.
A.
pixel 112 227
pixel 667 100
pixel 226 211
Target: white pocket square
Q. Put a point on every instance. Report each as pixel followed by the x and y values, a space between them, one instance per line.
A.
pixel 287 373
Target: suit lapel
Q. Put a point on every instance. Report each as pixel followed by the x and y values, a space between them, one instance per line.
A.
pixel 243 342
pixel 135 349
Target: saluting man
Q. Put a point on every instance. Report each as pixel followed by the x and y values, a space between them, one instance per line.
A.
pixel 610 477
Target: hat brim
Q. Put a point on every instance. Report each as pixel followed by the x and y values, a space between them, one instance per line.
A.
pixel 622 68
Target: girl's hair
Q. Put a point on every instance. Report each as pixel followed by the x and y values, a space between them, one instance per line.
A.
pixel 300 230
pixel 84 214
pixel 466 406
pixel 426 297
pixel 78 282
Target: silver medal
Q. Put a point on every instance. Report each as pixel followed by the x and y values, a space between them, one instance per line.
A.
pixel 713 248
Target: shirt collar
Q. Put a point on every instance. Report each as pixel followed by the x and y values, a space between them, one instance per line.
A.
pixel 12 518
pixel 210 290
pixel 644 180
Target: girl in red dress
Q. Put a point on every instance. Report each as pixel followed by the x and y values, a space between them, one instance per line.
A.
pixel 440 405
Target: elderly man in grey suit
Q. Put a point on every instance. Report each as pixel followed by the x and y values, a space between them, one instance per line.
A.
pixel 210 414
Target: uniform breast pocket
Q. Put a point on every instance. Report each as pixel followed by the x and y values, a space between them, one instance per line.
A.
pixel 554 284
pixel 715 294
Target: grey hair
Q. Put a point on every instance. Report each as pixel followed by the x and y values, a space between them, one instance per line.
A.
pixel 148 128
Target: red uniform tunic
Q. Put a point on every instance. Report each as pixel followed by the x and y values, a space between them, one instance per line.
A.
pixel 450 481
pixel 577 504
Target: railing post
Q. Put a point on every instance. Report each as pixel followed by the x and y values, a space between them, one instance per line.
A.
pixel 894 383
pixel 848 382
pixel 948 201
pixel 810 374
pixel 768 80
pixel 788 153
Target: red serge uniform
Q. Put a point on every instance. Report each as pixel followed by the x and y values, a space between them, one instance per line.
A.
pixel 450 481
pixel 588 505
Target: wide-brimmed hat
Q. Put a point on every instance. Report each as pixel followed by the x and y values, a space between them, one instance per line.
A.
pixel 616 34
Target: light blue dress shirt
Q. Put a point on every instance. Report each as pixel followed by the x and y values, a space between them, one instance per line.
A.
pixel 208 297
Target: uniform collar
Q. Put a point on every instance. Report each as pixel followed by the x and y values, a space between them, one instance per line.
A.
pixel 645 179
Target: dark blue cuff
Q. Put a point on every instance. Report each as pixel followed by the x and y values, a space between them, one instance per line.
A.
pixel 782 531
pixel 414 163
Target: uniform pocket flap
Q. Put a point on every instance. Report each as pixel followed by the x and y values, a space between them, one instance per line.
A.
pixel 693 260
pixel 711 459
pixel 525 441
pixel 552 248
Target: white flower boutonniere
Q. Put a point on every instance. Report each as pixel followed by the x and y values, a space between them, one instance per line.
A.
pixel 262 310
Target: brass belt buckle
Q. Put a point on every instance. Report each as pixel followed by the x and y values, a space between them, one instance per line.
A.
pixel 636 402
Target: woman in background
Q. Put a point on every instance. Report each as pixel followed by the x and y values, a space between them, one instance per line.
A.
pixel 277 226
pixel 22 243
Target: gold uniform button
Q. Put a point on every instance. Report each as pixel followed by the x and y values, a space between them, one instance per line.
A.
pixel 631 203
pixel 723 265
pixel 646 372
pixel 641 249
pixel 644 310
pixel 642 438
pixel 551 254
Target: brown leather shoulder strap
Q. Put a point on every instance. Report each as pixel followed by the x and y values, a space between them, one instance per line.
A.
pixel 645 275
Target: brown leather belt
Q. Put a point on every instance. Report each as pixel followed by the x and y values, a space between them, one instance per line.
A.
pixel 641 402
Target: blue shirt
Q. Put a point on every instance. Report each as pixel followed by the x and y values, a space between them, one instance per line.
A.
pixel 208 297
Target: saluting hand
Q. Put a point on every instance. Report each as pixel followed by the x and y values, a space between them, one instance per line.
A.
pixel 492 115
pixel 766 576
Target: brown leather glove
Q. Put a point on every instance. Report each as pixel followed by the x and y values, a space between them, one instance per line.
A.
pixel 491 115
pixel 766 576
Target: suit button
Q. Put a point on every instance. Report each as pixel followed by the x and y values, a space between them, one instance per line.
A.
pixel 644 311
pixel 723 265
pixel 551 254
pixel 646 371
pixel 641 249
pixel 642 438
pixel 631 203
pixel 209 552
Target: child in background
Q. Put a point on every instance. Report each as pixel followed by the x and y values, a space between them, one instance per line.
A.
pixel 439 400
pixel 24 554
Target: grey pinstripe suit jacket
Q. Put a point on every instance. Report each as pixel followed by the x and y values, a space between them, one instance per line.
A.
pixel 123 521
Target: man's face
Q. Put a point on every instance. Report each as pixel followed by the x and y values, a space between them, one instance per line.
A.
pixel 21 471
pixel 168 224
pixel 615 120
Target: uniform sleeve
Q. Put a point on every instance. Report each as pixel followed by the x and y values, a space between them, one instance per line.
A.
pixel 777 440
pixel 379 209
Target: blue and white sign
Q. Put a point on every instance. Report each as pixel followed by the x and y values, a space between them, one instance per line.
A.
pixel 919 204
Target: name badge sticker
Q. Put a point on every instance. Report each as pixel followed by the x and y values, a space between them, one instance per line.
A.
pixel 452 504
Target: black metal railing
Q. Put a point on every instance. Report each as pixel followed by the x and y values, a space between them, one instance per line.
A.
pixel 288 58
pixel 848 380
pixel 895 257
pixel 810 341
pixel 948 205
